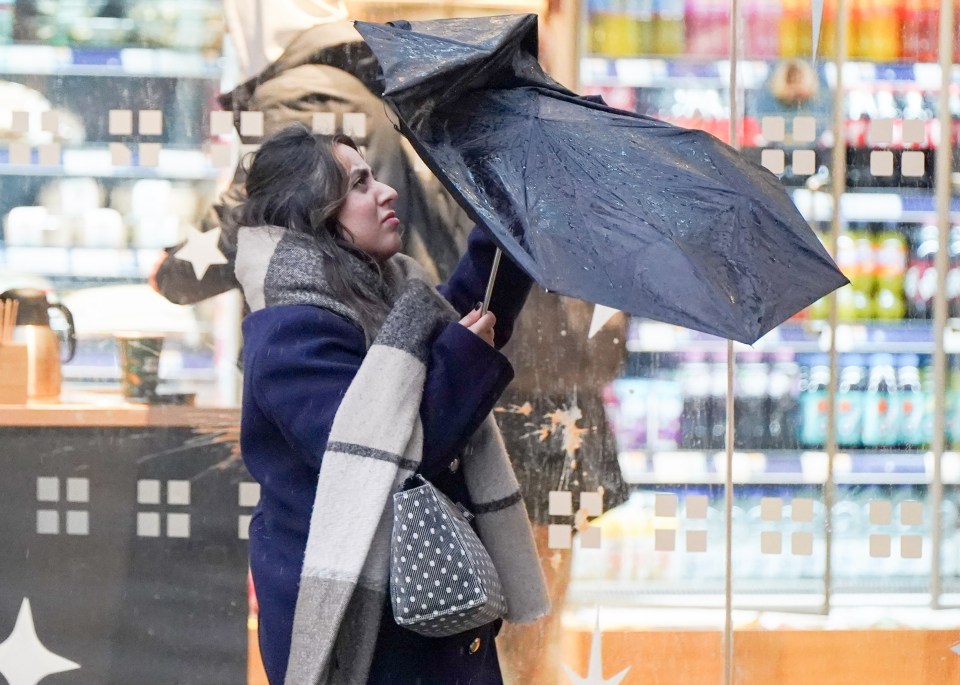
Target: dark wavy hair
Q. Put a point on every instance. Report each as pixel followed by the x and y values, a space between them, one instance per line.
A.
pixel 295 181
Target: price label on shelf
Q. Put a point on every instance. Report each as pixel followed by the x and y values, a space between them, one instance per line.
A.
pixel 949 467
pixel 679 467
pixel 814 466
pixel 50 261
pixel 745 465
pixel 871 206
pixel 639 72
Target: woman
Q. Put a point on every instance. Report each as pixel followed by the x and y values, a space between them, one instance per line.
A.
pixel 357 374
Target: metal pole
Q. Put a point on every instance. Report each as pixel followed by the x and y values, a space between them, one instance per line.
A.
pixel 942 183
pixel 839 179
pixel 728 652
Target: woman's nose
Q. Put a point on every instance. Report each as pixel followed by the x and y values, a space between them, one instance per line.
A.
pixel 387 194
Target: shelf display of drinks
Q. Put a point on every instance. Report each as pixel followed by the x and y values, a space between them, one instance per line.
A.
pixel 884 401
pixel 892 273
pixel 878 30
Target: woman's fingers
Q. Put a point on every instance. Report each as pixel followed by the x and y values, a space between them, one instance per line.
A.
pixel 471 318
pixel 484 326
pixel 480 325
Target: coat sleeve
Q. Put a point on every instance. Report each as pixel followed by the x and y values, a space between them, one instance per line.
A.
pixel 468 284
pixel 304 359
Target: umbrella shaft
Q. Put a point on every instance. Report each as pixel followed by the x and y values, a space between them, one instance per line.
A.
pixel 493 278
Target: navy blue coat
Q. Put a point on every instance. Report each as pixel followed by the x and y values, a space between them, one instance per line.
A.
pixel 299 361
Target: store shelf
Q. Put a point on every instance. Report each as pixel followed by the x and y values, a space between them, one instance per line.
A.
pixel 191 165
pixel 907 336
pixel 786 467
pixel 84 61
pixel 888 205
pixel 89 264
pixel 707 73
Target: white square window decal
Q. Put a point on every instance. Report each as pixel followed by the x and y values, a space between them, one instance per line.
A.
pixel 78 490
pixel 804 162
pixel 773 129
pixel 251 124
pixel 881 163
pixel 804 129
pixel 696 506
pixel 914 132
pixel 221 123
pixel 120 122
pixel 881 131
pixel 148 491
pixel 151 122
pixel 665 505
pixel 560 503
pixel 912 163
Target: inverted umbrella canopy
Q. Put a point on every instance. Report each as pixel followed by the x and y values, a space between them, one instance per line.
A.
pixel 593 202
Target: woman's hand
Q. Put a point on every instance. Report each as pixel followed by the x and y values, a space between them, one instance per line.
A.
pixel 480 325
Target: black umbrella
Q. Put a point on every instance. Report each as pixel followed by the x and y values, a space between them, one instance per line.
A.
pixel 593 202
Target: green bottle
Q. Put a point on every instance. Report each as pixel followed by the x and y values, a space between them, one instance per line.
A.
pixel 890 303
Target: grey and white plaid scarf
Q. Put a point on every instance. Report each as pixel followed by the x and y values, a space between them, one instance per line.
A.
pixel 375 443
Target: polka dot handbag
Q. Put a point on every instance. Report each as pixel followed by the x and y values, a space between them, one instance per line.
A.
pixel 442 581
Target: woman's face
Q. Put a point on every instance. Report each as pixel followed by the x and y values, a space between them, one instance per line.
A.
pixel 367 217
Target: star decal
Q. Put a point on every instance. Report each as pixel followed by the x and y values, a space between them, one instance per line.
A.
pixel 201 250
pixel 23 658
pixel 595 667
pixel 601 316
pixel 956 648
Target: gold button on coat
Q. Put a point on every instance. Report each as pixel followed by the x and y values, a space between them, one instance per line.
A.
pixel 475 645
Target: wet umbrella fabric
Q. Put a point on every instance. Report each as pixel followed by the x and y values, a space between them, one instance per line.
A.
pixel 608 206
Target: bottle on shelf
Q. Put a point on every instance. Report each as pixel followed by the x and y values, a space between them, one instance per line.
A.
pixel 910 397
pixel 814 388
pixel 920 279
pixel 6 21
pixel 859 39
pixel 665 413
pixel 642 28
pixel 850 396
pixel 847 260
pixel 707 28
pixel 889 303
pixel 953 273
pixel 863 272
pixel 952 410
pixel 796 28
pixel 782 430
pixel 828 29
pixel 919 30
pixel 820 309
pixel 750 401
pixel 881 404
pixel 878 30
pixel 956 31
pixel 761 29
pixel 927 385
pixel 610 30
pixel 694 378
pixel 669 38
pixel 718 401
